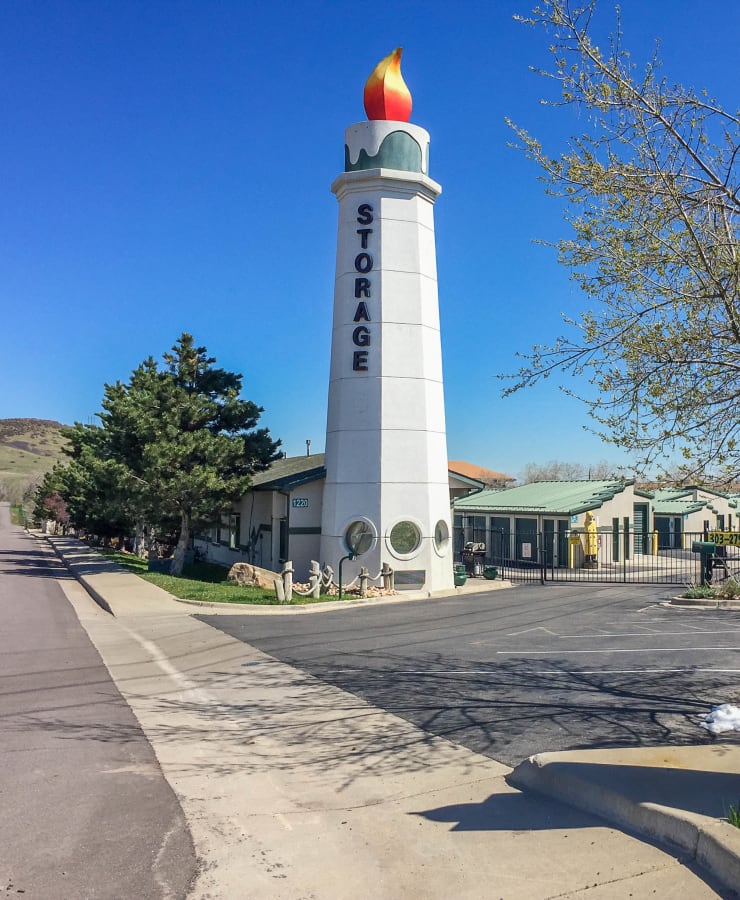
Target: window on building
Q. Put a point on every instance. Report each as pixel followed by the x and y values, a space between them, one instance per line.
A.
pixel 235 524
pixel 283 546
pixel 405 537
pixel 441 536
pixel 359 537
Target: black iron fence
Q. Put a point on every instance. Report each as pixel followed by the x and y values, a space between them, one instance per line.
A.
pixel 611 555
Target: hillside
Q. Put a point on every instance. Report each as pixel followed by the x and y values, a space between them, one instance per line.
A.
pixel 28 449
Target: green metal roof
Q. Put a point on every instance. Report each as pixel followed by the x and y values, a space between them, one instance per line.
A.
pixel 676 506
pixel 549 497
pixel 670 493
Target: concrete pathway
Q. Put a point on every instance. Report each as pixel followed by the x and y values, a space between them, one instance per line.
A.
pixel 295 789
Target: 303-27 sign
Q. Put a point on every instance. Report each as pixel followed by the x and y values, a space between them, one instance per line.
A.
pixel 725 538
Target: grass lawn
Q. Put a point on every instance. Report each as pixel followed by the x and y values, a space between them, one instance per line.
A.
pixel 17 516
pixel 202 581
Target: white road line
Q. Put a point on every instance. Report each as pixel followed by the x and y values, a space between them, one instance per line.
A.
pixel 190 690
pixel 635 634
pixel 527 630
pixel 638 671
pixel 436 673
pixel 528 652
pixel 284 821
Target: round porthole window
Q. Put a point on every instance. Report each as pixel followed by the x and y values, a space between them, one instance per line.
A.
pixel 359 537
pixel 405 538
pixel 441 536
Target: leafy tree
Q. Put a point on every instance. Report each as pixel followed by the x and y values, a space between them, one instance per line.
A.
pixel 557 470
pixel 48 500
pixel 176 446
pixel 651 193
pixel 56 508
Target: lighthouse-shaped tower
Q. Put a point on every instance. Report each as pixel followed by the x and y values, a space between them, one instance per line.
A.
pixel 386 495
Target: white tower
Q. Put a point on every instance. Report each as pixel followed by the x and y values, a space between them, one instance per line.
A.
pixel 386 493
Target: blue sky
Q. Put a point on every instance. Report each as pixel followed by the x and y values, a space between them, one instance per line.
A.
pixel 166 168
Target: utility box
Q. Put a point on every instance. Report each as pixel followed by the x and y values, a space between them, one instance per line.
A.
pixel 706 547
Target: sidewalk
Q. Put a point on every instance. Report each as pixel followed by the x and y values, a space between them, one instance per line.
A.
pixel 289 783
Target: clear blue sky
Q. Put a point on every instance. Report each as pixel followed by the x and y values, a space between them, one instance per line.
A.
pixel 165 167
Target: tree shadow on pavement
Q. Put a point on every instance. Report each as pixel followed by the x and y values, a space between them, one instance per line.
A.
pixel 32 564
pixel 520 706
pixel 245 711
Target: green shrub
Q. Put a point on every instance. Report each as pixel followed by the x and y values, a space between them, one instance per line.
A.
pixel 699 592
pixel 733 815
pixel 728 590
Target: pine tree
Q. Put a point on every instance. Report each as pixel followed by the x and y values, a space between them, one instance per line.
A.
pixel 175 447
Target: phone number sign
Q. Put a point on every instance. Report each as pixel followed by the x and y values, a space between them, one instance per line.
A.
pixel 725 538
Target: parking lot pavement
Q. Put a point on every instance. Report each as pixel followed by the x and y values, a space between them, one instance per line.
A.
pixel 278 771
pixel 513 673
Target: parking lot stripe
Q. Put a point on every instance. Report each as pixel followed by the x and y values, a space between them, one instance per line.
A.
pixel 620 634
pixel 530 652
pixel 689 669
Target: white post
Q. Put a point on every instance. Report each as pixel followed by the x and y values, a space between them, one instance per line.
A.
pixel 288 581
pixel 314 579
pixel 387 574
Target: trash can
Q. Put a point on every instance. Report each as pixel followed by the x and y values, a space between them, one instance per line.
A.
pixel 490 572
pixel 460 576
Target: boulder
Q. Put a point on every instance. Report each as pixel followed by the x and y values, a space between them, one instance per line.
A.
pixel 247 575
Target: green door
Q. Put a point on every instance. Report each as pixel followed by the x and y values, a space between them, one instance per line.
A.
pixel 640 517
pixel 500 539
pixel 563 527
pixel 548 538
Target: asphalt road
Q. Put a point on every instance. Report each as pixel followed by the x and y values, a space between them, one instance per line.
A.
pixel 86 811
pixel 516 672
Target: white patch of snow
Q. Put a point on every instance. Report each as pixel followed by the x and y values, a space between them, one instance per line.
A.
pixel 722 718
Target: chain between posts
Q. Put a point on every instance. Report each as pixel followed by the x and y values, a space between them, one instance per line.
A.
pixel 321 579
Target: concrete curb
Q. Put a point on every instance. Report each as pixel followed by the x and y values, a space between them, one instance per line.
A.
pixel 702 603
pixel 712 843
pixel 338 605
pixel 112 587
pixel 267 609
pixel 96 595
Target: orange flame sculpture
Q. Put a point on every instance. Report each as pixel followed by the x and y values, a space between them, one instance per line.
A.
pixel 386 95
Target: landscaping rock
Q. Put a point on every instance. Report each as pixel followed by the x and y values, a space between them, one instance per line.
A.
pixel 247 575
pixel 354 591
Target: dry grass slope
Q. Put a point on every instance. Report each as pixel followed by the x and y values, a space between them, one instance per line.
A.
pixel 28 449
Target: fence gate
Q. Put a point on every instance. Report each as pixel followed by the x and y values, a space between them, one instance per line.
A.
pixel 623 555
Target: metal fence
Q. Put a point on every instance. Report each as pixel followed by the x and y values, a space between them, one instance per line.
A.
pixel 621 556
